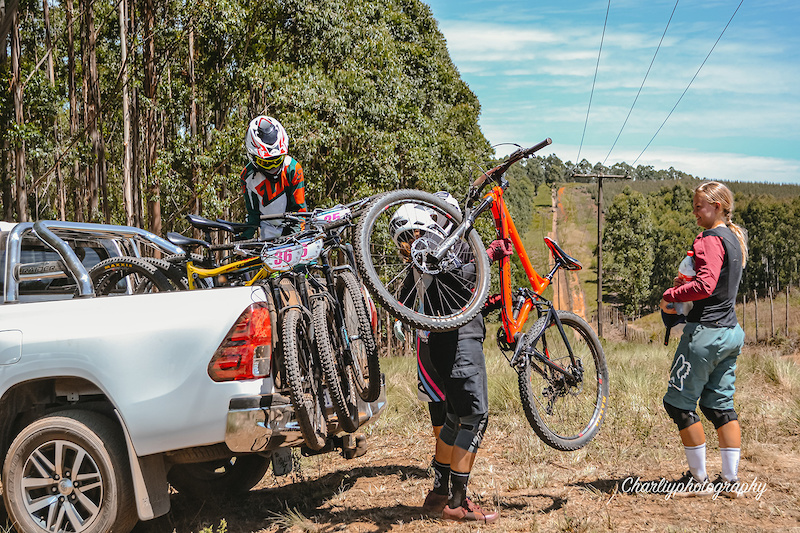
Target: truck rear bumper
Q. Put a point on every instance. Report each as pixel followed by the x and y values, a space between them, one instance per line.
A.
pixel 266 422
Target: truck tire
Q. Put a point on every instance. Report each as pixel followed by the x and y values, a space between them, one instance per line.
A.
pixel 43 493
pixel 214 479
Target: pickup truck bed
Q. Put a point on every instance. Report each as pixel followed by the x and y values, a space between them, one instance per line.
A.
pixel 119 388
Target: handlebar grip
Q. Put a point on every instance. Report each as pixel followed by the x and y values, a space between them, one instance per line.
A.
pixel 539 146
pixel 478 183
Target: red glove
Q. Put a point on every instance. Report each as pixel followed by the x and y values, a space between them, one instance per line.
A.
pixel 498 249
pixel 493 303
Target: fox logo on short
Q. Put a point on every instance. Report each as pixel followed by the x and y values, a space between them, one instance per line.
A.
pixel 680 370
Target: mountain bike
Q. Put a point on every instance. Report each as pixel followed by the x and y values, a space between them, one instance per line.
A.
pixel 326 327
pixel 340 317
pixel 561 367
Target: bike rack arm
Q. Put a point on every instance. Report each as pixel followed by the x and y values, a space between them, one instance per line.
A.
pixel 76 268
pixel 13 253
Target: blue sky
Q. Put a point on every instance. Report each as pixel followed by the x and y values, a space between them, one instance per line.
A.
pixel 531 64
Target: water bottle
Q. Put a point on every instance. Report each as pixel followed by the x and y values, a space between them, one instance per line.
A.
pixel 686 269
pixel 686 273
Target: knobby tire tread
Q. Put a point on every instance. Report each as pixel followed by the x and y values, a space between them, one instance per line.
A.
pixel 304 410
pixel 337 377
pixel 369 387
pixel 592 426
pixel 107 273
pixel 385 298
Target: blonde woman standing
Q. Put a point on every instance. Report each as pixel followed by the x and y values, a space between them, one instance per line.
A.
pixel 703 369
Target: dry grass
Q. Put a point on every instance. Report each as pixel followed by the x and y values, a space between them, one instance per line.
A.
pixel 535 487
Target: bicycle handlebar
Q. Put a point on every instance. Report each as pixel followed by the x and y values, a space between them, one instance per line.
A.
pixel 501 169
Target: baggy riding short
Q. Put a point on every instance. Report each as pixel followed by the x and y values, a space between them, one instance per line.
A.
pixel 704 366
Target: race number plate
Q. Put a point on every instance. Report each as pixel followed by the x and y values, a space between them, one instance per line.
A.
pixel 281 258
pixel 333 214
pixel 312 249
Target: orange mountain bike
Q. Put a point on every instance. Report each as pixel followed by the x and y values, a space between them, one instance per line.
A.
pixel 438 279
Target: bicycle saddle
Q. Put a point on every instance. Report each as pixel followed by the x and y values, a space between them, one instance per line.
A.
pixel 206 224
pixel 568 262
pixel 181 240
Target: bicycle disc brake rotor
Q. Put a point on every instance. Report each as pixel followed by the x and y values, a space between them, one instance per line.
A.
pixel 421 255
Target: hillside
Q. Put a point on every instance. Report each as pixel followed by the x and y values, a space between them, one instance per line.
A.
pixel 575 217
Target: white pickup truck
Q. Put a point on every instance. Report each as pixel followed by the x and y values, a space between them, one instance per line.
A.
pixel 105 401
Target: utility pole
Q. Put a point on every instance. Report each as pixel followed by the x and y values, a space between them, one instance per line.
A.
pixel 600 178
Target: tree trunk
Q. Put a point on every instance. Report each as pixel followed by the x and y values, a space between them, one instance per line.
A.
pixel 74 114
pixel 151 136
pixel 19 118
pixel 97 175
pixel 196 207
pixel 136 137
pixel 127 187
pixel 61 195
pixel 5 160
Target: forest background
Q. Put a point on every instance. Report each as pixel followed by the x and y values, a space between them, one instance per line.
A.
pixel 133 111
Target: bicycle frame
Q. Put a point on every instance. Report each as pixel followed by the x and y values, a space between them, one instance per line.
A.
pixel 237 266
pixel 514 319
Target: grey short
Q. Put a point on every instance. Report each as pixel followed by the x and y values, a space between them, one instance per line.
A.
pixel 704 366
pixel 460 363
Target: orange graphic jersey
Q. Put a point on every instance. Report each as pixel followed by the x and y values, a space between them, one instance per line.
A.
pixel 264 196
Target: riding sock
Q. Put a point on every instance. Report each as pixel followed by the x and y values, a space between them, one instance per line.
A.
pixel 730 463
pixel 458 492
pixel 441 478
pixel 696 457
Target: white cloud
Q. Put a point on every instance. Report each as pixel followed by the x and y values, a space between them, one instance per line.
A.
pixel 533 78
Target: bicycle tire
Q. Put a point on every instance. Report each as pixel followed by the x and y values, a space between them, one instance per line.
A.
pixel 140 275
pixel 178 266
pixel 448 299
pixel 365 363
pixel 305 385
pixel 338 376
pixel 565 417
pixel 175 274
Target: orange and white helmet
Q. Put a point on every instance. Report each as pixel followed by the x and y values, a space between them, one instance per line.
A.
pixel 267 144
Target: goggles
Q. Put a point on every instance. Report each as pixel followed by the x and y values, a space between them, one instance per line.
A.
pixel 269 163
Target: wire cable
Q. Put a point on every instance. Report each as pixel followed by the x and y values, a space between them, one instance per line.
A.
pixel 594 81
pixel 643 81
pixel 690 82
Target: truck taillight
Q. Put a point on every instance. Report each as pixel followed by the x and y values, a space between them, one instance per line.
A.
pixel 246 351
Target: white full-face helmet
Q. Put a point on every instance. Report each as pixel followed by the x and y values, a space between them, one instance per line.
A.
pixel 267 144
pixel 412 221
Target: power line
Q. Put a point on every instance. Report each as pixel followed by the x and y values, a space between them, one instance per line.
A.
pixel 594 81
pixel 644 80
pixel 690 82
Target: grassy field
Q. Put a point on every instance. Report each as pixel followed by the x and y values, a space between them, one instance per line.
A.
pixel 534 487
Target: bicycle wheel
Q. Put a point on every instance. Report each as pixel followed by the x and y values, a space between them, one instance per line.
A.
pixel 358 335
pixel 566 416
pixel 401 274
pixel 338 375
pixel 177 270
pixel 174 272
pixel 303 376
pixel 128 275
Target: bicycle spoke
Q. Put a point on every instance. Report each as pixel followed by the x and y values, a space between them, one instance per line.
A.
pixel 565 408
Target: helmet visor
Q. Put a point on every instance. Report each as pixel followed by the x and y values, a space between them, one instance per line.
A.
pixel 269 164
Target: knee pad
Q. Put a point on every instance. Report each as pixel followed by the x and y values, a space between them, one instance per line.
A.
pixel 719 418
pixel 681 417
pixel 449 429
pixel 470 434
pixel 438 412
